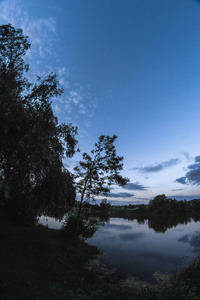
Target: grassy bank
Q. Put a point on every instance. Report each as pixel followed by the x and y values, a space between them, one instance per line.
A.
pixel 41 263
pixel 38 263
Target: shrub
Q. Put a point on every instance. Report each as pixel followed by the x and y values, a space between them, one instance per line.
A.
pixel 88 225
pixel 104 205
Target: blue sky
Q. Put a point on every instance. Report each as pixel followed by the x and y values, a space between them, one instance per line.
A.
pixel 130 68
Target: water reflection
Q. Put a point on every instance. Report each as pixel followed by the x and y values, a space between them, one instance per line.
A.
pixel 193 240
pixel 51 223
pixel 142 247
pixel 163 224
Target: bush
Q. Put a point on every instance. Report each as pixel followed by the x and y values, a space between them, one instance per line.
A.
pixel 88 225
pixel 104 205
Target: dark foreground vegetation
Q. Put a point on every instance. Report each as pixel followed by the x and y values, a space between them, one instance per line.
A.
pixel 33 178
pixel 41 263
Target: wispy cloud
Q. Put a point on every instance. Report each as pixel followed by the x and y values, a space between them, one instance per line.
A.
pixel 41 31
pixel 157 167
pixel 75 97
pixel 57 109
pixel 193 175
pixel 187 156
pixel 10 11
pixel 77 100
pixel 70 164
pixel 77 103
pixel 120 195
pixel 135 186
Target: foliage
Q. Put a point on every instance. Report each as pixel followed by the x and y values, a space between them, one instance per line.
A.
pixel 137 290
pixel 105 206
pixel 88 225
pixel 32 143
pixel 51 195
pixel 163 206
pixel 99 170
pixel 191 274
pixel 160 215
pixel 167 287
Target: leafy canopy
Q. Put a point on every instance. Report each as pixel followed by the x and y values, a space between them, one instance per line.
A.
pixel 32 143
pixel 99 170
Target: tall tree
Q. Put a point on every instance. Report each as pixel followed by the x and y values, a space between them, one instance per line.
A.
pixel 32 143
pixel 98 171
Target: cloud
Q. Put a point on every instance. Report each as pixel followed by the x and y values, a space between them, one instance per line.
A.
pixel 75 97
pixel 63 75
pixel 41 31
pixel 10 11
pixel 131 236
pixel 184 238
pixel 118 227
pixel 187 156
pixel 57 109
pixel 193 175
pixel 193 240
pixel 63 71
pixel 120 195
pixel 182 180
pixel 77 101
pixel 82 109
pixel 68 163
pixel 157 167
pixel 135 186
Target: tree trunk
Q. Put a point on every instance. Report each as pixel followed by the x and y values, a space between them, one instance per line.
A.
pixel 79 214
pixel 82 196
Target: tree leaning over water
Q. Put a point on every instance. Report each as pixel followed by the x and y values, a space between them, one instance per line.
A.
pixel 98 171
pixel 32 143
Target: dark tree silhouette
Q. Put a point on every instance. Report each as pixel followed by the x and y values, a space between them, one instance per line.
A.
pixel 32 143
pixel 98 171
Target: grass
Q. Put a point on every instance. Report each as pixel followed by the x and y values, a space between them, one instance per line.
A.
pixel 41 263
pixel 191 274
pixel 36 262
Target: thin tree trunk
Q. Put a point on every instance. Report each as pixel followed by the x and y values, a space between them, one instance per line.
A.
pixel 78 217
pixel 82 196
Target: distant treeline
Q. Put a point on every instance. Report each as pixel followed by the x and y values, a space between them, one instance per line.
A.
pixel 159 206
pixel 161 213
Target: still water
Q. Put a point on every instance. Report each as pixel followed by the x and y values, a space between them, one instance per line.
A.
pixel 137 249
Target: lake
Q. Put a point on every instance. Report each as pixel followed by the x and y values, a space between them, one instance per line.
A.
pixel 136 248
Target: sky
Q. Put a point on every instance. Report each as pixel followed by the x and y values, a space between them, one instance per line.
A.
pixel 129 68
